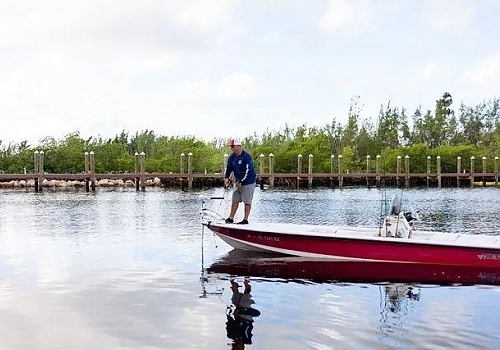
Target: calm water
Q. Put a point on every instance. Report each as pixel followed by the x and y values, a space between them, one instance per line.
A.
pixel 121 270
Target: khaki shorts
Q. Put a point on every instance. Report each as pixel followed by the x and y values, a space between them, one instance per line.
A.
pixel 244 194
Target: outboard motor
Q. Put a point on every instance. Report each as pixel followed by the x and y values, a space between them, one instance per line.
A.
pixel 409 216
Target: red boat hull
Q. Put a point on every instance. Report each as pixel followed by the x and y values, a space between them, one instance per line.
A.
pixel 366 249
pixel 291 268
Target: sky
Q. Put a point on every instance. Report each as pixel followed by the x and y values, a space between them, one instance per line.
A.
pixel 222 68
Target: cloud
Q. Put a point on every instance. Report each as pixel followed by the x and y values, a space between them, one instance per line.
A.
pixel 450 16
pixel 114 35
pixel 117 22
pixel 203 15
pixel 272 37
pixel 102 66
pixel 346 15
pixel 424 74
pixel 483 79
pixel 236 87
pixel 69 67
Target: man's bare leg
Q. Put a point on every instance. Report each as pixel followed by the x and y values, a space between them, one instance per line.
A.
pixel 248 207
pixel 234 208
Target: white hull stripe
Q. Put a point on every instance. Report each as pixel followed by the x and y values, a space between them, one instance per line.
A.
pixel 238 243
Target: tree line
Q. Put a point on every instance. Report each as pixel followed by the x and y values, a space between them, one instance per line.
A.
pixel 445 131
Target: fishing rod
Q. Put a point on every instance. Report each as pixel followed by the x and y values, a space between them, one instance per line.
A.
pixel 383 203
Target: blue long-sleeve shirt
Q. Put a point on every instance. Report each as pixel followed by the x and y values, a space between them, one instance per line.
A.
pixel 243 169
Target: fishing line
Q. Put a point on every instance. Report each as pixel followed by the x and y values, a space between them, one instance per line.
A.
pixel 204 277
pixel 221 198
pixel 226 189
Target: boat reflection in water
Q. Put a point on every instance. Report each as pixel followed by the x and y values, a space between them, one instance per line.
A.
pixel 245 263
pixel 399 283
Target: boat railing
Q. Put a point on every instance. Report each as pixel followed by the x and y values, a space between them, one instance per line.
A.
pixel 207 215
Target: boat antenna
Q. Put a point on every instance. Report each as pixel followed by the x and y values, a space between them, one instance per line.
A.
pixel 401 198
pixel 382 202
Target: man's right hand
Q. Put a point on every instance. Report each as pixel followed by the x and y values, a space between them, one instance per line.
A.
pixel 226 183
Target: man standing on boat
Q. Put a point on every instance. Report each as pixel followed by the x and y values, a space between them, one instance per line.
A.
pixel 240 164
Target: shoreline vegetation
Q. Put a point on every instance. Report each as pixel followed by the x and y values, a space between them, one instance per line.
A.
pixel 464 132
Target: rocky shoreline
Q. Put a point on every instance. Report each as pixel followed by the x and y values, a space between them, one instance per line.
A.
pixel 75 183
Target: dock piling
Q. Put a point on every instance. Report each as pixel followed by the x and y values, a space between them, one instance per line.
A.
pixel 310 171
pixel 87 172
pixel 183 161
pixel 367 170
pixel 496 171
pixel 341 177
pixel 299 169
pixel 428 170
pixel 377 166
pixel 190 170
pixel 332 162
pixel 484 171
pixel 438 165
pixel 271 170
pixel 407 171
pixel 142 165
pixel 92 171
pixel 36 170
pixel 136 171
pixel 472 160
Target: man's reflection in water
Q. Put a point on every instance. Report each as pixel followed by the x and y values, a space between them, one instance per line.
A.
pixel 240 315
pixel 396 294
pixel 394 304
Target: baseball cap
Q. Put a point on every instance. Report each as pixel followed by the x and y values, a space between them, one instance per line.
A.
pixel 234 142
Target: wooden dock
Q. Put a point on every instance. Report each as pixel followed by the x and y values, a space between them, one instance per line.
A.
pixel 287 180
pixel 267 176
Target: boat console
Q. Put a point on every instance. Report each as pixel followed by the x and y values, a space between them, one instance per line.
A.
pixel 396 226
pixel 397 223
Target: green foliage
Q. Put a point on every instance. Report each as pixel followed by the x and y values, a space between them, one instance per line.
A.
pixel 449 155
pixel 349 163
pixel 64 156
pixel 470 131
pixel 112 156
pixel 417 158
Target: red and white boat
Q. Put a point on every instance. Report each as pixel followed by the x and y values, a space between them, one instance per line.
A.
pixel 396 240
pixel 257 264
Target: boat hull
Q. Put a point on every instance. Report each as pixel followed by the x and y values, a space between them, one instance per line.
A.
pixel 337 247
